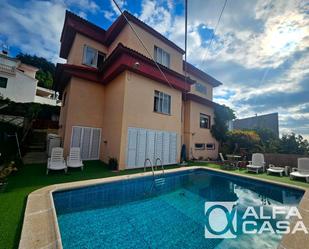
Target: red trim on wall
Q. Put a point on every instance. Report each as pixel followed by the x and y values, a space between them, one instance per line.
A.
pixel 120 60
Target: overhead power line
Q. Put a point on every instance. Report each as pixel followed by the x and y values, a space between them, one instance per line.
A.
pixel 215 29
pixel 140 40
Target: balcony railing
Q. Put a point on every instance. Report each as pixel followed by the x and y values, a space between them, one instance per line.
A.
pixel 7 69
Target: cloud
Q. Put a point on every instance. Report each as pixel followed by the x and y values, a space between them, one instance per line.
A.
pixel 32 31
pixel 35 26
pixel 260 48
pixel 157 16
pixel 86 5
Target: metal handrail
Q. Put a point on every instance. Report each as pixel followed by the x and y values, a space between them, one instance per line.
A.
pixel 158 159
pixel 147 159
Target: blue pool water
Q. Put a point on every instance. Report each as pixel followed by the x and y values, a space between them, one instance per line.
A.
pixel 133 214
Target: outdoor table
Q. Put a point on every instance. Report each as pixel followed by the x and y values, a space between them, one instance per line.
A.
pixel 233 159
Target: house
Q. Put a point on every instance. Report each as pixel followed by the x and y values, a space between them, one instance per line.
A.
pixel 267 121
pixel 18 83
pixel 117 104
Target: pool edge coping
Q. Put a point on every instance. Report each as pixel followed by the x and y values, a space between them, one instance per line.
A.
pixel 33 240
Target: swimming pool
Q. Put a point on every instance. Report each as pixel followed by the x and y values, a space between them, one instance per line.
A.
pixel 134 214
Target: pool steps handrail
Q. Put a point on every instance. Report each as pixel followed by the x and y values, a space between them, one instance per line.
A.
pixel 160 180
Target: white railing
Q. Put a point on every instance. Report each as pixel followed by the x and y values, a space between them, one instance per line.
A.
pixel 7 69
pixel 48 101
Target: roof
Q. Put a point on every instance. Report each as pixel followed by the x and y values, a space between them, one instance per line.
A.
pixel 198 99
pixel 75 24
pixel 121 59
pixel 200 74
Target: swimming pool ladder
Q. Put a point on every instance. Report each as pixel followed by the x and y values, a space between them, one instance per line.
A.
pixel 158 180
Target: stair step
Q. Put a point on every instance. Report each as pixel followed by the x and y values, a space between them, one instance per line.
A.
pixel 160 181
pixel 35 157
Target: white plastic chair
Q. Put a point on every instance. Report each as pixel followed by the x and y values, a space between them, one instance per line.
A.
pixel 257 164
pixel 74 160
pixel 302 170
pixel 56 161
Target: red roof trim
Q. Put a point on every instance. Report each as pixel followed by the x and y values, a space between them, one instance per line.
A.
pixel 74 23
pixel 200 74
pixel 198 99
pixel 120 60
pixel 120 23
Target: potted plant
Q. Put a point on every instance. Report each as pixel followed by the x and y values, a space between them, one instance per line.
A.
pixel 113 164
pixel 4 173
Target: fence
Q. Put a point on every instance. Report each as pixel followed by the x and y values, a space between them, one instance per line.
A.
pixel 282 159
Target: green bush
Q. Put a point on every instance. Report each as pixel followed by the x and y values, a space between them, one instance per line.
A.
pixel 237 139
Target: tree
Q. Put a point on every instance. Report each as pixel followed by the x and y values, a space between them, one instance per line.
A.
pixel 243 139
pixel 219 129
pixel 269 142
pixel 46 68
pixel 292 144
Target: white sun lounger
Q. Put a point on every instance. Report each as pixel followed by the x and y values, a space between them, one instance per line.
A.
pixel 56 161
pixel 74 160
pixel 257 164
pixel 302 170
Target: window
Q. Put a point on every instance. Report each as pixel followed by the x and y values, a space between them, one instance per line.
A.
pixel 210 146
pixel 162 56
pixel 101 59
pixel 64 98
pixel 199 146
pixel 93 57
pixel 204 121
pixel 201 88
pixel 162 103
pixel 3 82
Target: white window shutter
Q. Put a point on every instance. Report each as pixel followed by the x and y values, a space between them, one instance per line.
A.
pixel 141 147
pixel 95 144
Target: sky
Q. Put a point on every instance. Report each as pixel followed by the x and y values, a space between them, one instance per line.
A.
pixel 259 50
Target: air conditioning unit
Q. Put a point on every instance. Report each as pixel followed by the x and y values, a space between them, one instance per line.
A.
pixel 53 140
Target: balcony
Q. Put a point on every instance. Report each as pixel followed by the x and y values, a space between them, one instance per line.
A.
pixel 7 65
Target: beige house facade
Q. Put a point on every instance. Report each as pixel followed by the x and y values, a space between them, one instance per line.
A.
pixel 117 104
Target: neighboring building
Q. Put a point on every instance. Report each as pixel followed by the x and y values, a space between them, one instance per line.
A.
pixel 18 83
pixel 268 121
pixel 116 103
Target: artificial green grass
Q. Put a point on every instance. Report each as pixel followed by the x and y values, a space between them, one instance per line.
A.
pixel 272 177
pixel 32 177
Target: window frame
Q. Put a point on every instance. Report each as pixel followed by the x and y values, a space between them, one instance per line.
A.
pixel 209 120
pixel 211 148
pixel 96 58
pixel 4 82
pixel 160 55
pixel 203 147
pixel 64 99
pixel 162 103
pixel 199 86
